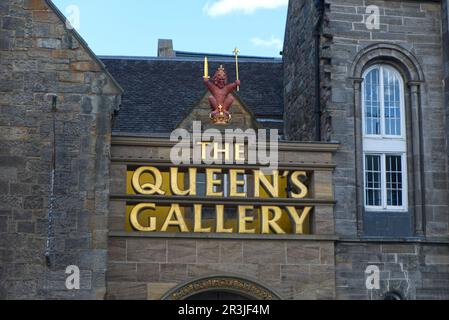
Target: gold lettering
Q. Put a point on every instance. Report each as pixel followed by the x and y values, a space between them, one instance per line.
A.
pixel 211 182
pixel 261 180
pixel 198 208
pixel 220 220
pixel 239 150
pixel 217 150
pixel 302 188
pixel 175 212
pixel 268 222
pixel 244 219
pixel 174 175
pixel 134 217
pixel 299 218
pixel 234 182
pixel 203 149
pixel 148 188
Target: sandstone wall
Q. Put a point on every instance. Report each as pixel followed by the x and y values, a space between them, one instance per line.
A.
pixel 408 30
pixel 39 56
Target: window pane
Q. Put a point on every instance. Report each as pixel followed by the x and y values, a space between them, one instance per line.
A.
pixel 242 188
pixel 223 187
pixel 372 103
pixel 201 184
pixel 394 180
pixel 392 103
pixel 373 185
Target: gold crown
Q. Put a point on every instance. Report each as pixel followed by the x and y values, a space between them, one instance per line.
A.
pixel 220 72
pixel 220 117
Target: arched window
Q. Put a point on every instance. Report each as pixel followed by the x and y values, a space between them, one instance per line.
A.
pixel 384 140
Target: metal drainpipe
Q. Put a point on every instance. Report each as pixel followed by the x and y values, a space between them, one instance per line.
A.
pixel 50 230
pixel 317 35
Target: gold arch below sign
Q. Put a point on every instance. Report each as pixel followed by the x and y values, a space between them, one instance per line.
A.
pixel 234 284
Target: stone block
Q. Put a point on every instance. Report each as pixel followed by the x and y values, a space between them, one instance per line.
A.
pixel 146 250
pixel 156 290
pixel 85 66
pixel 121 272
pixel 117 250
pixel 173 272
pixel 266 252
pixel 302 253
pixel 181 251
pixel 208 251
pixel 49 43
pixel 26 227
pixel 126 291
pixel 148 272
pixel 437 259
pixel 231 252
pixel 269 272
pixel 35 5
pixel 399 248
pixel 200 270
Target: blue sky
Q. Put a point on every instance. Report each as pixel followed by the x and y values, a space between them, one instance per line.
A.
pixel 132 27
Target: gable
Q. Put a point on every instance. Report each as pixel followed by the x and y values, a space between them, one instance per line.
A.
pixel 242 117
pixel 95 64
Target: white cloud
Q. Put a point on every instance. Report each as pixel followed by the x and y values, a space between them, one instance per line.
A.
pixel 223 7
pixel 273 42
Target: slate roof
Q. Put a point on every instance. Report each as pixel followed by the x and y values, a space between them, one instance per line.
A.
pixel 160 92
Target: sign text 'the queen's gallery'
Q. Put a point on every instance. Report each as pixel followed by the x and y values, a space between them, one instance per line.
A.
pixel 216 200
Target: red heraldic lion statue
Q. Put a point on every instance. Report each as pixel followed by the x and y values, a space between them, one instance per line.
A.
pixel 221 99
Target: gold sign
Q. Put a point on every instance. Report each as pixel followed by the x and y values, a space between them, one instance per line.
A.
pixel 218 200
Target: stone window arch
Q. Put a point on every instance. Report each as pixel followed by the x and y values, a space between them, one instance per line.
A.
pixel 412 75
pixel 384 140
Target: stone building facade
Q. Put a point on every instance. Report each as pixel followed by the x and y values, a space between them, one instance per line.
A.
pixel 163 265
pixel 40 59
pixel 95 120
pixel 445 34
pixel 410 248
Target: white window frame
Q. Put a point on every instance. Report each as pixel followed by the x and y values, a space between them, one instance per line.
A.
pixel 383 176
pixel 381 95
pixel 384 145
